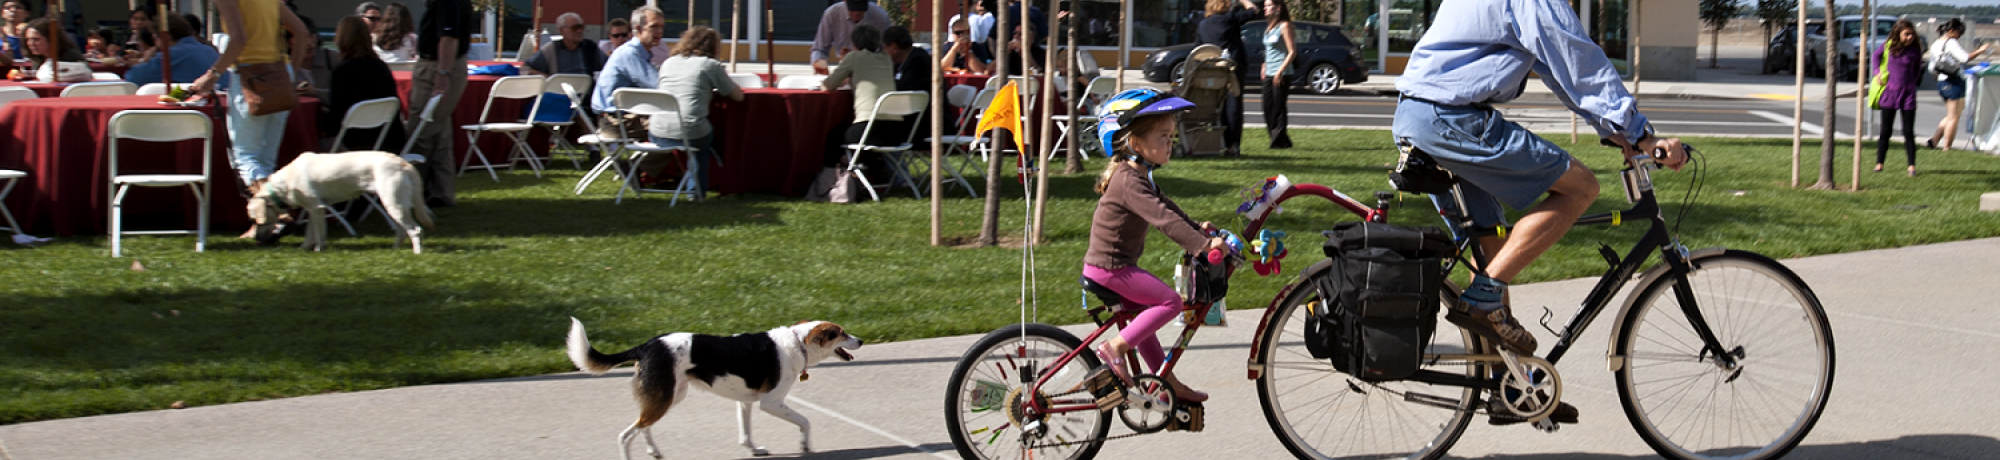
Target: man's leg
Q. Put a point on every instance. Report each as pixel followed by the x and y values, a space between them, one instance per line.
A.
pixel 1545 223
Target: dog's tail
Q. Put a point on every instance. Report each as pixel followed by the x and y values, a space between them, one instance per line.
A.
pixel 590 360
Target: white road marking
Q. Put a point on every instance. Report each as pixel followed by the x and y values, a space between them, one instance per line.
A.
pixel 864 426
pixel 1808 128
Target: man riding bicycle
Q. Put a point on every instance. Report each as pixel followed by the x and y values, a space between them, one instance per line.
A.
pixel 1478 53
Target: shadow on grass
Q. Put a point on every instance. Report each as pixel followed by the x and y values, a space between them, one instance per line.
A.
pixel 599 218
pixel 210 345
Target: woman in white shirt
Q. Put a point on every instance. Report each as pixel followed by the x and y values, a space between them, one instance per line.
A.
pixel 1947 58
pixel 395 35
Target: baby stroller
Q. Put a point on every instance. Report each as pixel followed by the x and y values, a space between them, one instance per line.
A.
pixel 1208 78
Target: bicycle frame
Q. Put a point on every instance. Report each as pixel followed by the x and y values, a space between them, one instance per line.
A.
pixel 1120 319
pixel 1639 190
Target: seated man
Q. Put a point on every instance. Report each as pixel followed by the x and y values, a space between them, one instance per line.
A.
pixel 1478 53
pixel 836 28
pixel 913 69
pixel 620 31
pixel 569 54
pixel 630 66
pixel 961 54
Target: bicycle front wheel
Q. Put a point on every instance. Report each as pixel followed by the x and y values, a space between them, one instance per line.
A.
pixel 1320 413
pixel 992 382
pixel 1687 405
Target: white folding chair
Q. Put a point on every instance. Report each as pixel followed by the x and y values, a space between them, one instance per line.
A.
pixel 10 176
pixel 515 87
pixel 105 76
pixel 557 141
pixel 801 81
pixel 747 80
pixel 152 89
pixel 102 88
pixel 656 105
pixel 908 105
pixel 369 114
pixel 608 147
pixel 1082 111
pixel 968 101
pixel 16 93
pixel 159 126
pixel 424 118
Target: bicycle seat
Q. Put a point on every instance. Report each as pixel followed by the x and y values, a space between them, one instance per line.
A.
pixel 1419 173
pixel 1103 293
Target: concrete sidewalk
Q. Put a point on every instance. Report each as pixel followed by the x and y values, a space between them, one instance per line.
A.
pixel 1911 327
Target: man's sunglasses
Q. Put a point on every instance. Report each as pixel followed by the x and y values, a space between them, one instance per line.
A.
pixel 958 32
pixel 372 18
pixel 620 35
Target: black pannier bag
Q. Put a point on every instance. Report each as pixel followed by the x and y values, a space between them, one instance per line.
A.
pixel 1379 299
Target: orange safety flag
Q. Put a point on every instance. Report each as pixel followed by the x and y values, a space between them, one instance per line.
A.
pixel 1003 112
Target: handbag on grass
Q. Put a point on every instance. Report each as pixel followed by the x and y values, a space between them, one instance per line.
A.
pixel 267 88
pixel 1881 80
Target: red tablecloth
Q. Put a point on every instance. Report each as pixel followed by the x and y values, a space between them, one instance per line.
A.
pixel 969 79
pixel 108 68
pixel 61 143
pixel 43 89
pixel 494 145
pixel 774 140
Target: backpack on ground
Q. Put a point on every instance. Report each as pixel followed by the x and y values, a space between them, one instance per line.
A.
pixel 1379 299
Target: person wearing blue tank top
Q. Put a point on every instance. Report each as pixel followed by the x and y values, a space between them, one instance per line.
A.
pixel 1278 51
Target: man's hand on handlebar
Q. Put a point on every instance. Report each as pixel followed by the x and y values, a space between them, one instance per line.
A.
pixel 1667 151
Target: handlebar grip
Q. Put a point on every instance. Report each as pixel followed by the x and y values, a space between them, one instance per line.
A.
pixel 1215 256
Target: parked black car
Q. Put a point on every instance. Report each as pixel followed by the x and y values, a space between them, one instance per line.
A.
pixel 1781 54
pixel 1326 58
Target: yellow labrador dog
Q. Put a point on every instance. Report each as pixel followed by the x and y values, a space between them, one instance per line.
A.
pixel 316 179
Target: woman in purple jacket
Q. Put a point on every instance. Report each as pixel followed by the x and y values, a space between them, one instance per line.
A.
pixel 1906 65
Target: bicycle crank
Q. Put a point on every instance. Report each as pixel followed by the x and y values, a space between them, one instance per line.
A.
pixel 1530 390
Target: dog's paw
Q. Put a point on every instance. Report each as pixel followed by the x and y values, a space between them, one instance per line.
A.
pixel 759 451
pixel 805 448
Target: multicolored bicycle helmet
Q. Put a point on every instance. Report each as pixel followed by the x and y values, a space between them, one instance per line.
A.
pixel 1130 105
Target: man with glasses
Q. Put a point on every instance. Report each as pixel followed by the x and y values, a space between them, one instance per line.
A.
pixel 16 13
pixel 369 11
pixel 621 32
pixel 568 55
pixel 963 54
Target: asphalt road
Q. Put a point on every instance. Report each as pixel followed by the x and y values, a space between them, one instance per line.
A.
pixel 1545 114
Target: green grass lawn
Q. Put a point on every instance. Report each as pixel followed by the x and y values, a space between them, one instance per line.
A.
pixel 84 334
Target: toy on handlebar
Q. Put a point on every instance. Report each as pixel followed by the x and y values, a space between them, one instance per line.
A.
pixel 1270 250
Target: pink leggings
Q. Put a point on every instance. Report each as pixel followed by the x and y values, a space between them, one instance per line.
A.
pixel 1141 289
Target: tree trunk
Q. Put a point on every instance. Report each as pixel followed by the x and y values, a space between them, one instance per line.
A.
pixel 1714 38
pixel 989 222
pixel 1827 117
pixel 1073 162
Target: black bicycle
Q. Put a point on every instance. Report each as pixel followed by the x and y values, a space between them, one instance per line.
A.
pixel 1717 353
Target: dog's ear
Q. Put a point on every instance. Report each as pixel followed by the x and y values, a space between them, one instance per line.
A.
pixel 826 334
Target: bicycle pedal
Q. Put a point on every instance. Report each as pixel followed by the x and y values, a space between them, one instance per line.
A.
pixel 1187 417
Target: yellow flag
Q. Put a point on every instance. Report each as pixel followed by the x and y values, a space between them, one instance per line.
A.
pixel 1003 112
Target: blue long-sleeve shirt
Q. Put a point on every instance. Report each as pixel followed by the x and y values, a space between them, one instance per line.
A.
pixel 1480 51
pixel 191 59
pixel 630 66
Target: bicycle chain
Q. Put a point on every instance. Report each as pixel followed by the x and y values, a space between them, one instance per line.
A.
pixel 1071 443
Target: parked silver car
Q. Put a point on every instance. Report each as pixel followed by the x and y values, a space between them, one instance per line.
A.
pixel 1849 29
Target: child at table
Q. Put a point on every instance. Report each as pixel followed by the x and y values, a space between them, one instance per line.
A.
pixel 1137 130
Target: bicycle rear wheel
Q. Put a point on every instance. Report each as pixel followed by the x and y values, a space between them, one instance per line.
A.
pixel 989 386
pixel 1687 406
pixel 1320 413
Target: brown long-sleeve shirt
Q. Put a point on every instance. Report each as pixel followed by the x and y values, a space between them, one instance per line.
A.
pixel 1117 240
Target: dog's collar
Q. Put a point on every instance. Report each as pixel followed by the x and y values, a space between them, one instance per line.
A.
pixel 271 195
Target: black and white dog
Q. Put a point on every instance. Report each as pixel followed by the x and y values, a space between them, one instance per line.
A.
pixel 758 367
